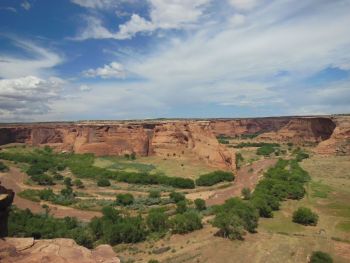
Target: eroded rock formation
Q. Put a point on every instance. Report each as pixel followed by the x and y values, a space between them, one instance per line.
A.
pixel 60 250
pixel 339 141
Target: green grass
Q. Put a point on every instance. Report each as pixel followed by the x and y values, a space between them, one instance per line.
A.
pixel 320 190
pixel 344 226
pixel 30 194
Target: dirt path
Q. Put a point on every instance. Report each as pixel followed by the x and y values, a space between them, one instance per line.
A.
pixel 246 177
pixel 14 180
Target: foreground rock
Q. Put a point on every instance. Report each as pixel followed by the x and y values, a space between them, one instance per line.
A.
pixel 28 250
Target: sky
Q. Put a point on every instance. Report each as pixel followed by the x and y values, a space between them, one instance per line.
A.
pixel 136 59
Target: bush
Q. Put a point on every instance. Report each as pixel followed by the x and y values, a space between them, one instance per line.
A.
pixel 200 204
pixel 230 224
pixel 320 257
pixel 239 160
pixel 186 222
pixel 68 181
pixel 212 178
pixel 3 167
pixel 125 199
pixel 153 261
pixel 176 197
pixel 181 207
pixel 103 182
pixel 242 210
pixel 246 193
pixel 305 216
pixel 57 177
pixel 265 150
pixel 157 220
pixel 78 183
pixel 154 194
pixel 42 179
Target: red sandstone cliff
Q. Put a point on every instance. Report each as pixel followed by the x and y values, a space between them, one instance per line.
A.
pixel 301 130
pixel 339 142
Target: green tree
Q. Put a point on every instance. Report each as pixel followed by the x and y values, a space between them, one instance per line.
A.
pixel 246 193
pixel 68 181
pixel 181 207
pixel 176 197
pixel 320 257
pixel 157 220
pixel 103 182
pixel 125 199
pixel 230 225
pixel 305 216
pixel 200 204
pixel 186 222
pixel 78 183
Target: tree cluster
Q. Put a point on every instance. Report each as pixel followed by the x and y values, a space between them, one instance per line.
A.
pixel 215 177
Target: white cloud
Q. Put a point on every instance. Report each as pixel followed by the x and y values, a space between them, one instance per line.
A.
pixel 113 70
pixel 244 4
pixel 28 96
pixel 164 14
pixel 84 88
pixel 9 8
pixel 39 63
pixel 98 4
pixel 26 5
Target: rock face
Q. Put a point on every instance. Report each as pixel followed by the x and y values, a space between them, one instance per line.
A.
pixel 236 127
pixel 339 142
pixel 167 139
pixel 28 250
pixel 300 130
pixel 177 138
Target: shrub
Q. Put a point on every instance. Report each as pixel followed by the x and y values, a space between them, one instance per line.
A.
pixel 200 204
pixel 57 177
pixel 230 224
pixel 239 160
pixel 153 261
pixel 42 179
pixel 67 181
pixel 3 167
pixel 157 220
pixel 305 216
pixel 103 182
pixel 176 197
pixel 320 257
pixel 246 193
pixel 154 194
pixel 78 183
pixel 212 178
pixel 181 207
pixel 265 150
pixel 186 222
pixel 125 199
pixel 243 210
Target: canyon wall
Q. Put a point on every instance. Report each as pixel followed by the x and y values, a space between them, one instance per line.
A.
pixel 169 139
pixel 181 138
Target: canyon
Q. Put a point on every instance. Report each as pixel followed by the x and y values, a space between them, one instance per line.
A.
pixel 181 138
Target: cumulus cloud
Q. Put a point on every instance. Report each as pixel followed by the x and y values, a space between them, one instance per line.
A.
pixel 164 14
pixel 27 96
pixel 39 62
pixel 113 70
pixel 26 5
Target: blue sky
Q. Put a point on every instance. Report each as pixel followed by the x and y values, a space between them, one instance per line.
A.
pixel 133 59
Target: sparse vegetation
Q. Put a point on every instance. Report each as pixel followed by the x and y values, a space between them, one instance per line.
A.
pixel 305 216
pixel 200 204
pixel 103 182
pixel 215 177
pixel 320 257
pixel 125 199
pixel 3 167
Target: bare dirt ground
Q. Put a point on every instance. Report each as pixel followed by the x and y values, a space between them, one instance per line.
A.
pixel 14 180
pixel 248 176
